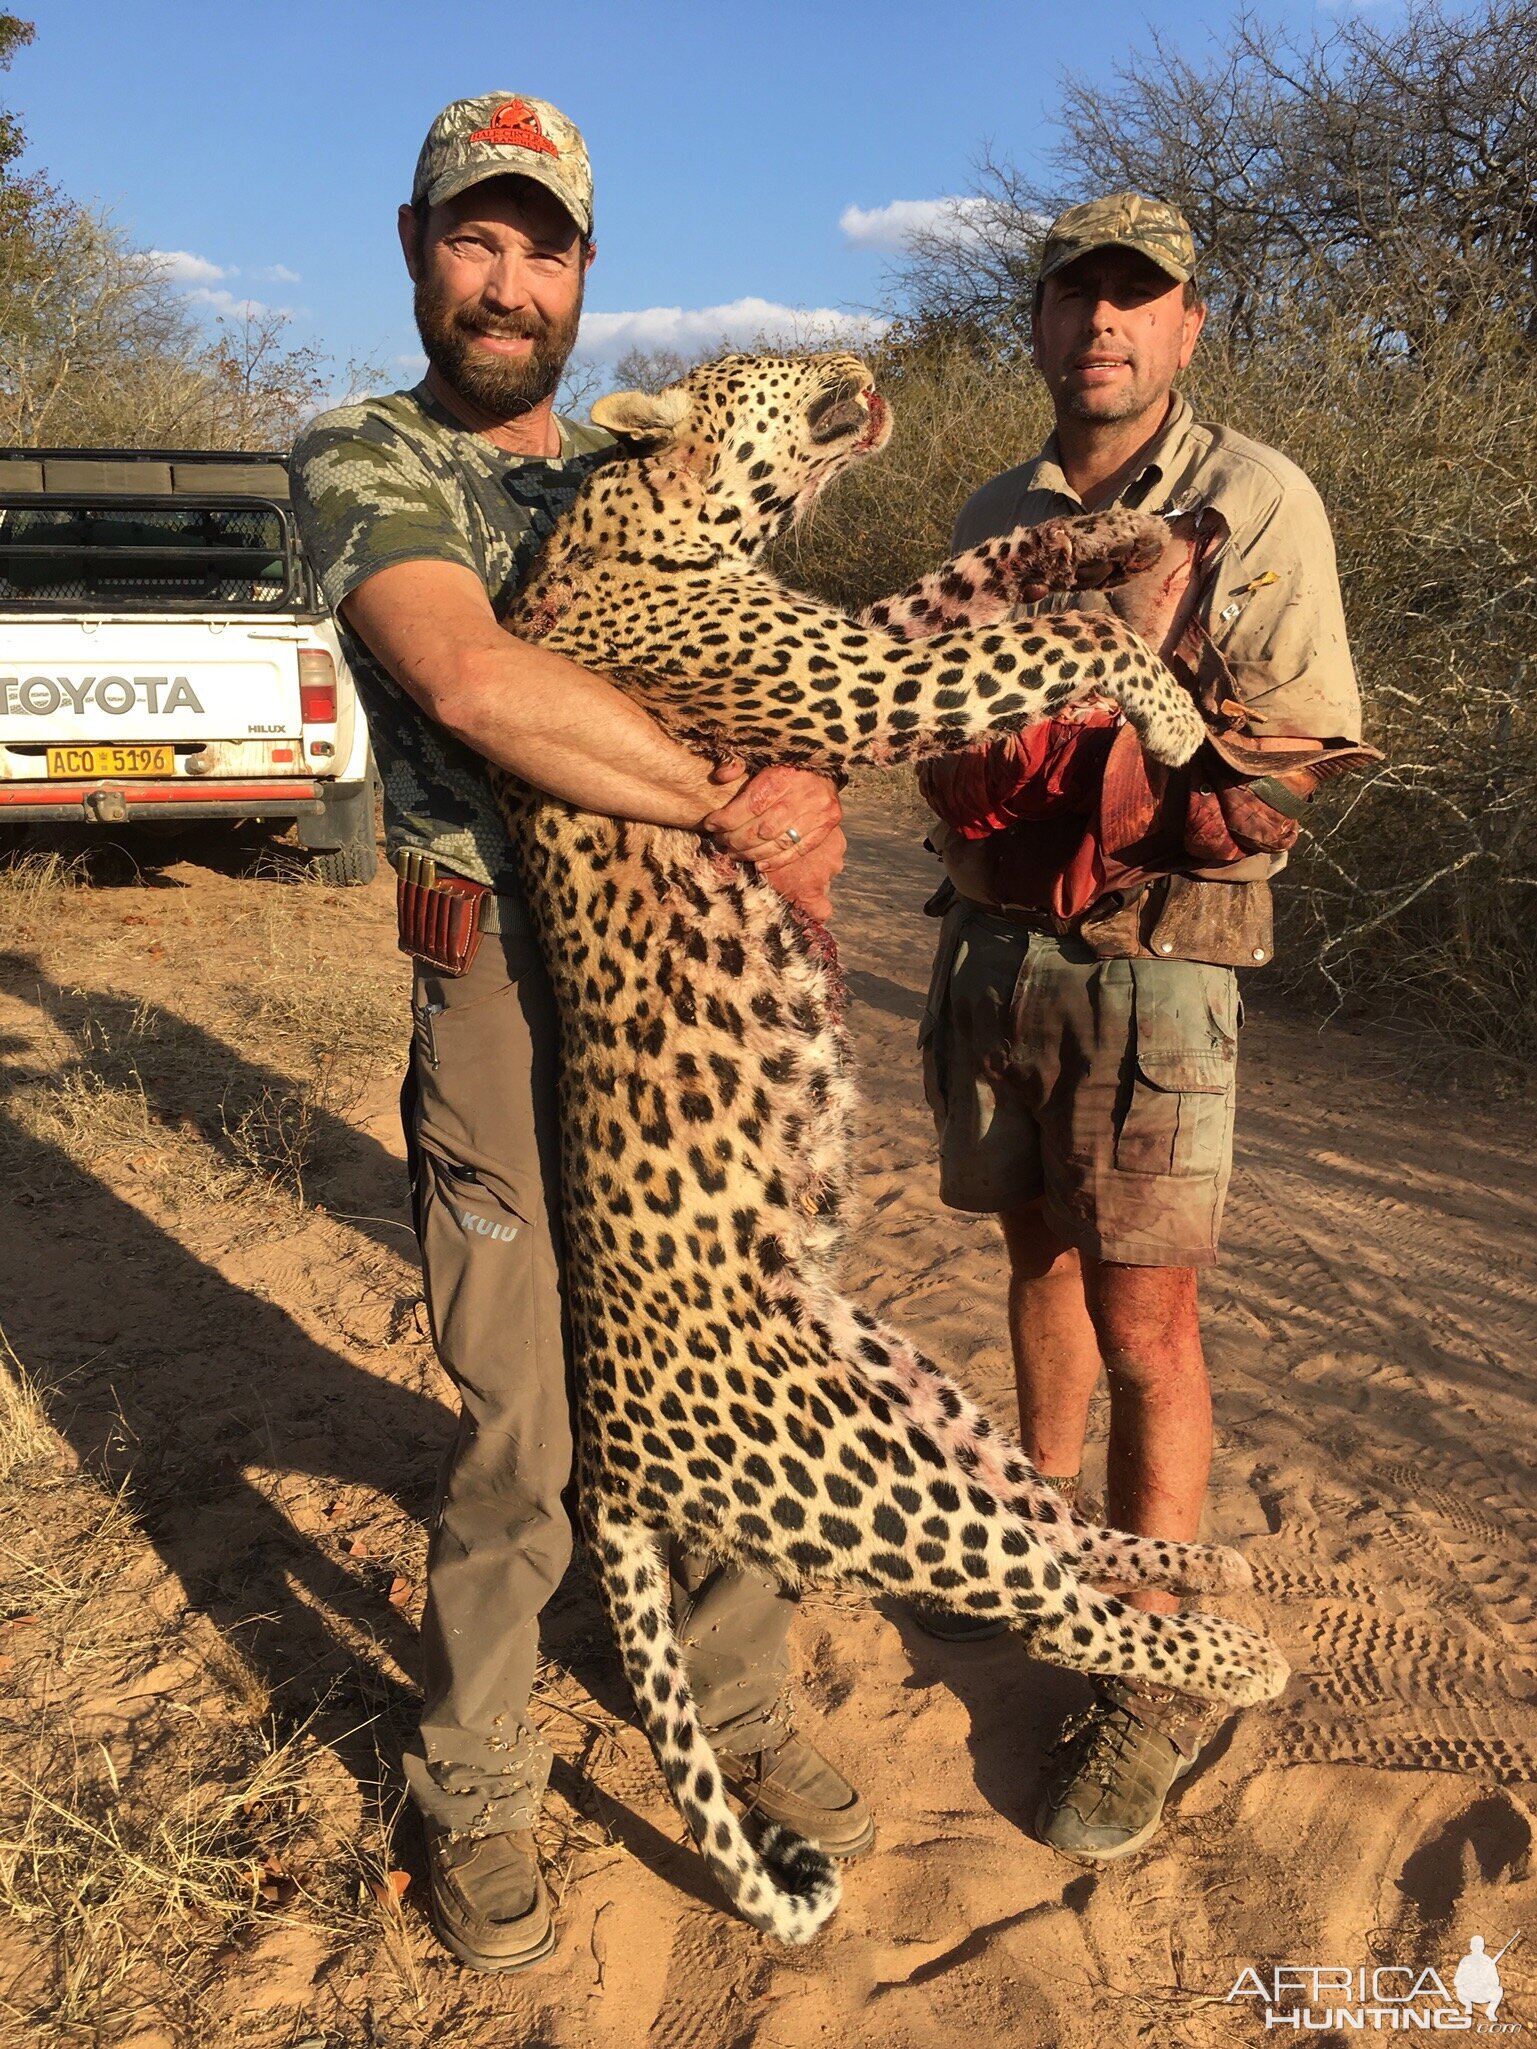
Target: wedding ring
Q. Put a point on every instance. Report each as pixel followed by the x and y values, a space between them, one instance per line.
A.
pixel 792 836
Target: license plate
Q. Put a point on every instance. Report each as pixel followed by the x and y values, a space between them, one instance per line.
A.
pixel 111 760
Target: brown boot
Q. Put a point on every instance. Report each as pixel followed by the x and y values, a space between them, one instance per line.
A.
pixel 790 1781
pixel 1115 1765
pixel 487 1899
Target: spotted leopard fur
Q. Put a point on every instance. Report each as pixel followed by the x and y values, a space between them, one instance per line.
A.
pixel 728 1395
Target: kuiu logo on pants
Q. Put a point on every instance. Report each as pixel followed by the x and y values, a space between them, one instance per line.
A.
pixel 487 1227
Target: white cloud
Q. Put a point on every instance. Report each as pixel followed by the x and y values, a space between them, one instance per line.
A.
pixel 413 359
pixel 205 282
pixel 606 336
pixel 217 300
pixel 894 226
pixel 183 268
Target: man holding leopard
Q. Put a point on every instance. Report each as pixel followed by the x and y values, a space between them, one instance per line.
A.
pixel 1081 1034
pixel 423 512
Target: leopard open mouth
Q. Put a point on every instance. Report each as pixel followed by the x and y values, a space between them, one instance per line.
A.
pixel 850 411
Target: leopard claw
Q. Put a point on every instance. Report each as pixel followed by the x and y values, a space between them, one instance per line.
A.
pixel 1090 551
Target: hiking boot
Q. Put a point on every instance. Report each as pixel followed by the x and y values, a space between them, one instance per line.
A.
pixel 1113 1767
pixel 487 1899
pixel 790 1781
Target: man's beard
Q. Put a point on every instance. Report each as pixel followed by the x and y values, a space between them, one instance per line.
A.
pixel 500 386
pixel 1081 405
pixel 1100 408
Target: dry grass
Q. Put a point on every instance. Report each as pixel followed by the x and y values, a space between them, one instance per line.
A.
pixel 93 1101
pixel 1411 898
pixel 306 1014
pixel 298 994
pixel 151 1862
pixel 895 794
pixel 277 1134
pixel 192 1815
pixel 123 1873
pixel 126 1879
pixel 25 1433
pixel 161 1873
pixel 135 1080
pixel 33 888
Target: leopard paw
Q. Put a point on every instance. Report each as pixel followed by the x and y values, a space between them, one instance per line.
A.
pixel 1091 552
pixel 1223 1660
pixel 1163 715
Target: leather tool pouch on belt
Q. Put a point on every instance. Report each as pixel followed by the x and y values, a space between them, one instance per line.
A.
pixel 439 915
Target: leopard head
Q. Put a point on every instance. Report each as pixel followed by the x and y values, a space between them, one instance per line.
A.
pixel 760 435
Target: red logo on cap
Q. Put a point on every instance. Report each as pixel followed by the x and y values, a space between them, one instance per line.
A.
pixel 518 124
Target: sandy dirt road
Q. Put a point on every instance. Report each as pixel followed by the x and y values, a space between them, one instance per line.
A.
pixel 250 1370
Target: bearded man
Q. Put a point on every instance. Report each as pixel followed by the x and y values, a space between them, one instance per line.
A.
pixel 422 512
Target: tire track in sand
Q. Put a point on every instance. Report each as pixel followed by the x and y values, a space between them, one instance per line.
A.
pixel 1409 1337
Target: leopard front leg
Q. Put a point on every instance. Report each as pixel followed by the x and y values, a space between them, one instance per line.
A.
pixel 995 579
pixel 781 679
pixel 971 685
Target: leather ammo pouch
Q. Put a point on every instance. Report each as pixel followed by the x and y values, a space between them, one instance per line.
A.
pixel 439 915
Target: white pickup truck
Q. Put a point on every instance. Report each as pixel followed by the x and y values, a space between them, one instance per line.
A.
pixel 164 653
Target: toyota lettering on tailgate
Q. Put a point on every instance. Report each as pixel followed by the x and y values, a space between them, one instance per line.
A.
pixel 39 696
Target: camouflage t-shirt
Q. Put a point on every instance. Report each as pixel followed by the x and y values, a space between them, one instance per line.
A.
pixel 398 479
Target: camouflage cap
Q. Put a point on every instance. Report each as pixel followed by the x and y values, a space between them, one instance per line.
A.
pixel 1125 220
pixel 501 135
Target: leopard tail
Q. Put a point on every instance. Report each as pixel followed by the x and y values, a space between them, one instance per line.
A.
pixel 781 1884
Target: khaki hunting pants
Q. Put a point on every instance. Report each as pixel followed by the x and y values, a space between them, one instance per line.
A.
pixel 482 1139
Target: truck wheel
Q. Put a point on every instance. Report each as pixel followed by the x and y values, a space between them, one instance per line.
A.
pixel 350 855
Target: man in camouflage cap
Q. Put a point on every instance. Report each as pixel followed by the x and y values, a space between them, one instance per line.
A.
pixel 1081 1034
pixel 1126 220
pixel 422 512
pixel 501 135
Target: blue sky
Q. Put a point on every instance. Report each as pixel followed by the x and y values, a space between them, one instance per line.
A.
pixel 267 147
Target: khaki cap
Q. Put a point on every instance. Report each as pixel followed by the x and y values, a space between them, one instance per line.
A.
pixel 1126 220
pixel 502 135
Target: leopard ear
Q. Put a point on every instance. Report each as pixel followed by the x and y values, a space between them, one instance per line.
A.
pixel 643 415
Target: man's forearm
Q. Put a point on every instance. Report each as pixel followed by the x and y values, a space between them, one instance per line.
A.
pixel 572 734
pixel 524 707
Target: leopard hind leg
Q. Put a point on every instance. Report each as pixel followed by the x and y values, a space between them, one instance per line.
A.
pixel 780 1883
pixel 911 1514
pixel 899 1373
pixel 992 1563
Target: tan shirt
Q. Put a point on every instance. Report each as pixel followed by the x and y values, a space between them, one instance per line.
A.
pixel 1272 603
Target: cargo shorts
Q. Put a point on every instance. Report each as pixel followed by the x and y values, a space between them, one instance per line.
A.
pixel 1103 1088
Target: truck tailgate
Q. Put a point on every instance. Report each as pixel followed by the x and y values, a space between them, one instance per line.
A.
pixel 145 681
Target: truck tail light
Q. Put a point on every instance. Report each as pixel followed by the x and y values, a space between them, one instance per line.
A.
pixel 317 687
